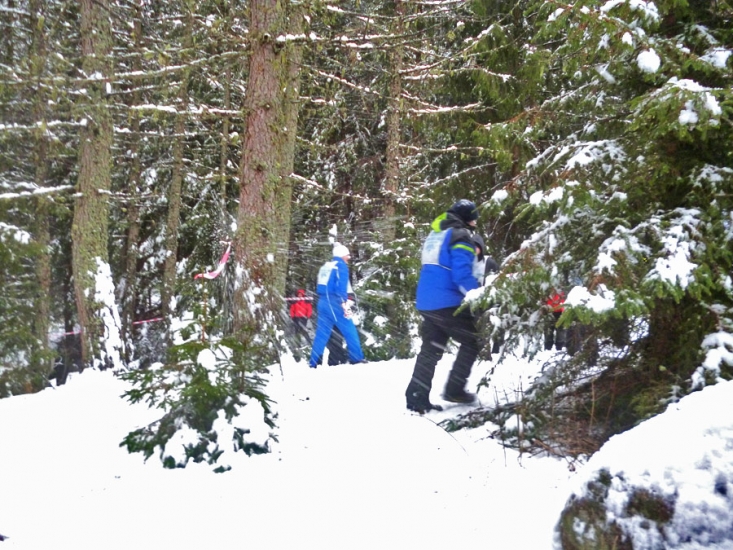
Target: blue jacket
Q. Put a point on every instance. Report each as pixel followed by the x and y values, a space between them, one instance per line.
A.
pixel 333 281
pixel 447 265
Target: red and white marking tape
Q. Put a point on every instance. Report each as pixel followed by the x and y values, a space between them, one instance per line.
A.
pixel 222 263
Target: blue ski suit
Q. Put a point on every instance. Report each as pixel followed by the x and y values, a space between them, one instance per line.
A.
pixel 333 287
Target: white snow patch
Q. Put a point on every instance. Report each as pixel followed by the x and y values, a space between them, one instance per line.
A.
pixel 105 297
pixel 500 195
pixel 675 267
pixel 603 71
pixel 536 198
pixel 688 115
pixel 648 9
pixel 602 300
pixel 648 61
pixel 717 57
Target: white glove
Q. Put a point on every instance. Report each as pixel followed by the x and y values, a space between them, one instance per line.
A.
pixel 348 306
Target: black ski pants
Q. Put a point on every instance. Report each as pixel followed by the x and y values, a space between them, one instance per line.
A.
pixel 336 352
pixel 437 327
pixel 554 335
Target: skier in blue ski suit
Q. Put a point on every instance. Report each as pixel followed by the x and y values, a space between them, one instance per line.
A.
pixel 334 308
pixel 447 274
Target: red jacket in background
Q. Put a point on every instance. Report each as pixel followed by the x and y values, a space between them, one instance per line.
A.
pixel 301 307
pixel 556 301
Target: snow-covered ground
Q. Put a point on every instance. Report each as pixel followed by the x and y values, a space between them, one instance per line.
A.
pixel 352 470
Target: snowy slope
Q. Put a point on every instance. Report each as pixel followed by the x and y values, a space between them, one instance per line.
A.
pixel 352 469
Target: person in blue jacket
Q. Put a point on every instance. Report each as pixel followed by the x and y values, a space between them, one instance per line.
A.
pixel 334 308
pixel 447 274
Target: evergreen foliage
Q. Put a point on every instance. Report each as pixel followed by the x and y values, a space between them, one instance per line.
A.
pixel 202 389
pixel 389 323
pixel 625 162
pixel 16 302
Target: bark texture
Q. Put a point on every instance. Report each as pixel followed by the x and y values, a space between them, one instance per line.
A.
pixel 260 217
pixel 91 208
pixel 394 113
pixel 42 355
pixel 176 187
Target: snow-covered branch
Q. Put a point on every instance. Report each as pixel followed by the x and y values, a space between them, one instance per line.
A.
pixel 36 192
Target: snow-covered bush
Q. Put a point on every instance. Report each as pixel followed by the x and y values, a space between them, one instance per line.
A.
pixel 213 402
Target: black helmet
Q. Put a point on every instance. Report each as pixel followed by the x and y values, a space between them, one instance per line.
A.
pixel 465 210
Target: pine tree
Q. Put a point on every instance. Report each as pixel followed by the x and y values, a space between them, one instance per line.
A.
pixel 620 201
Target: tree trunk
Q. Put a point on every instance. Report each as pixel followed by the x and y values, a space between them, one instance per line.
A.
pixel 8 39
pixel 174 193
pixel 291 68
pixel 91 209
pixel 129 296
pixel 262 186
pixel 224 153
pixel 394 113
pixel 42 361
pixel 70 351
pixel 7 43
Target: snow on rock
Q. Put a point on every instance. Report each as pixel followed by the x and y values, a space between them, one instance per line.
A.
pixel 668 483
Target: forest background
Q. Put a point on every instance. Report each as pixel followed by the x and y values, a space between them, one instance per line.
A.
pixel 139 139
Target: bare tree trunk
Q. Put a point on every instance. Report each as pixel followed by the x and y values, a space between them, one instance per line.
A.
pixel 224 155
pixel 174 193
pixel 129 297
pixel 91 211
pixel 133 210
pixel 8 40
pixel 7 43
pixel 42 361
pixel 256 246
pixel 291 68
pixel 391 184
